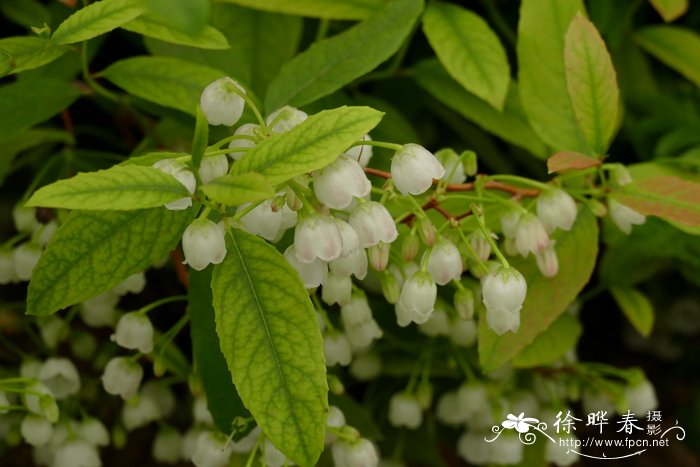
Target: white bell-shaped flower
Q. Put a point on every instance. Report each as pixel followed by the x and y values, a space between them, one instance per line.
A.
pixel 413 169
pixel 404 410
pixel 547 260
pixel 166 446
pixel 94 432
pixel 360 453
pixel 317 236
pixel 99 310
pixel 448 410
pixel 312 274
pixel 337 350
pixel 36 430
pixel 25 258
pixel 183 175
pixel 53 331
pixel 135 284
pixel 139 411
pixel 135 332
pixel 273 456
pixel 641 397
pixel 61 377
pixel 417 299
pixel 454 168
pixel 265 222
pixel 473 400
pixel 366 366
pixel 373 224
pixel 239 146
pixel 336 419
pixel 341 181
pixel 503 293
pixel 247 443
pixel 203 243
pixel 624 217
pixel 77 452
pixel 444 262
pixel 556 209
pixel 438 324
pixel 354 263
pixel 8 273
pixel 507 449
pixel 509 222
pixel 363 153
pixel 463 333
pixel 337 289
pixel 24 218
pixel 284 119
pixel 359 324
pixel 350 239
pixel 502 321
pixel 472 448
pixel 189 441
pixel 40 400
pixel 222 102
pixel 480 245
pixel 122 377
pixel 200 411
pixel 212 168
pixel 211 450
pixel 162 395
pixel 530 235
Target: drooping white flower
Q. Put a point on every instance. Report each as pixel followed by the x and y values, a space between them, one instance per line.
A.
pixel 239 146
pixel 247 443
pixel 464 303
pixel 454 169
pixel 463 332
pixel 166 446
pixel 139 411
pixel 222 102
pixel 624 217
pixel 203 243
pixel 361 453
pixel 53 330
pixel 317 237
pixel 77 452
pixel 36 430
pixel 337 289
pixel 40 400
pixel 99 310
pixel 438 324
pixel 641 397
pixel 359 324
pixel 509 222
pixel 213 167
pixel 556 209
pixel 122 377
pixel 7 267
pixel 24 218
pixel 25 258
pixel 265 222
pixel 60 376
pixel 273 456
pixel 507 450
pixel 200 411
pixel 183 175
pixel 448 409
pixel 417 299
pixel 341 181
pixel 472 448
pixel 530 235
pixel 135 284
pixel 373 224
pixel 94 432
pixel 444 262
pixel 336 419
pixel 413 169
pixel 473 400
pixel 503 294
pixel 562 455
pixel 161 394
pixel 285 119
pixel 211 450
pixel 135 332
pixel 354 263
pixel 366 365
pixel 480 245
pixel 312 274
pixel 350 239
pixel 362 154
pixel 547 260
pixel 404 410
pixel 336 348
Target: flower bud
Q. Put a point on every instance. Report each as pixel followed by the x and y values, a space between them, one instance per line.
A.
pixel 373 224
pixel 166 446
pixel 454 169
pixel 362 154
pixel 379 256
pixel 311 274
pixel 438 324
pixel 624 217
pixel 556 209
pixel 248 129
pixel 354 263
pixel 409 247
pixel 360 327
pixel 350 239
pixel 60 376
pixel 547 260
pixel 360 453
pixel 463 333
pixel 212 450
pixel 203 243
pixel 413 169
pixel 391 289
pixel 469 161
pixel 336 289
pixel 620 175
pixel 222 102
pixel 39 400
pixel 337 184
pixel 76 452
pixel 427 231
pixel 404 410
pixel 317 236
pixel 212 168
pixel 503 294
pixel 200 411
pixel 94 432
pixel 36 430
pixel 417 299
pixel 183 175
pixel 597 208
pixel 335 385
pixel 285 119
pixel 444 262
pixel 122 377
pixel 134 332
pixel 530 235
pixel 336 348
pixel 464 303
pixel 25 258
pixel 366 366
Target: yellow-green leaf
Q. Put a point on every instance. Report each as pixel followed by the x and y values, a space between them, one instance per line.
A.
pixel 234 190
pixel 670 10
pixel 97 18
pixel 636 306
pixel 207 38
pixel 23 53
pixel 551 345
pixel 677 47
pixel 328 9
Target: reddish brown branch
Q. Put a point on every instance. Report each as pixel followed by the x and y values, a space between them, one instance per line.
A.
pixel 180 269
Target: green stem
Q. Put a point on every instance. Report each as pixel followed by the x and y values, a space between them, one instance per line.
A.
pixel 163 301
pixel 379 144
pixel 255 450
pixel 521 180
pixel 232 138
pixel 94 85
pixel 468 372
pixel 252 106
pixel 469 246
pixel 322 30
pixel 494 247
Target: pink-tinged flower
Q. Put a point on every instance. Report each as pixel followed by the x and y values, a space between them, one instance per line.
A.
pixel 530 235
pixel 413 169
pixel 556 209
pixel 520 423
pixel 373 224
pixel 337 184
pixel 624 217
pixel 317 237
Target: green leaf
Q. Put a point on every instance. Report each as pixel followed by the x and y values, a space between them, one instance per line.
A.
pixel 190 17
pixel 18 142
pixel 546 298
pixel 543 88
pixel 327 9
pixel 636 306
pixel 122 187
pixel 26 13
pixel 312 145
pixel 25 103
pixel 560 337
pixel 670 10
pixel 469 50
pixel 96 19
pixel 93 251
pixel 270 338
pixel 565 161
pixel 165 81
pixel 592 85
pixel 234 190
pixel 509 124
pixel 22 53
pixel 207 38
pixel 331 63
pixel 665 196
pixel 200 139
pixel 151 158
pixel 222 398
pixel 677 47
